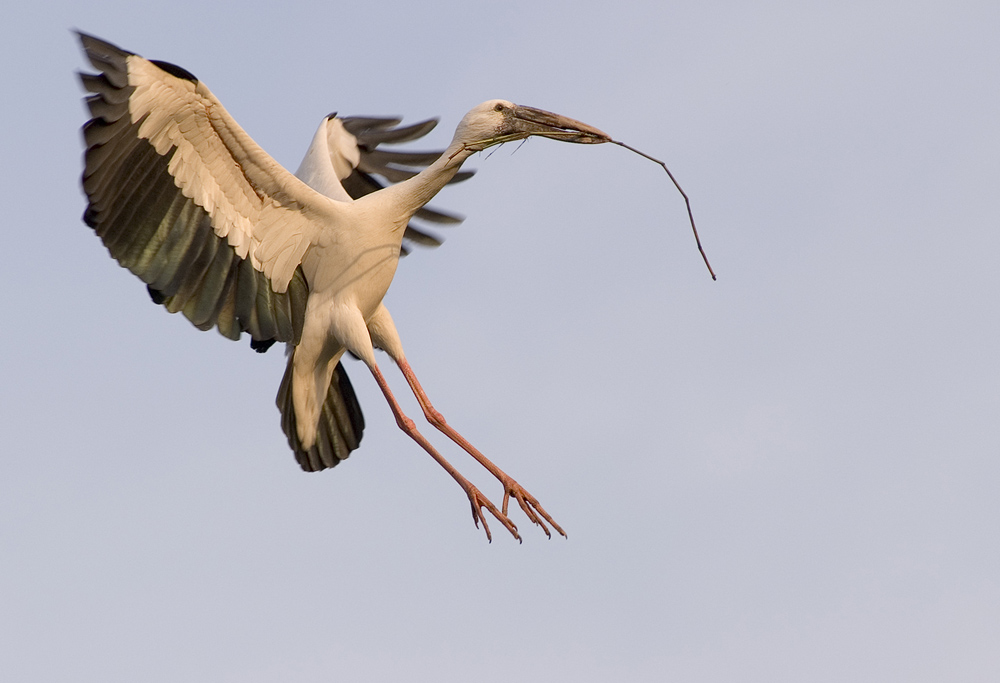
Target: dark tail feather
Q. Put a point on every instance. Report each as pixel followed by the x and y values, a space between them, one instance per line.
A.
pixel 341 423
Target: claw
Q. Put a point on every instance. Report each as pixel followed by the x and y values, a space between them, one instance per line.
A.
pixel 476 517
pixel 479 501
pixel 531 515
pixel 529 504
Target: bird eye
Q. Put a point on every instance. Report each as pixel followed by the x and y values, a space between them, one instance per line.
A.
pixel 498 107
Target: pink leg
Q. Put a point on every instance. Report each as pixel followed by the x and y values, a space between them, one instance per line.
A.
pixel 529 504
pixel 476 498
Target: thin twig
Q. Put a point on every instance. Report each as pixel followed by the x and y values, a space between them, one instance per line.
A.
pixel 683 194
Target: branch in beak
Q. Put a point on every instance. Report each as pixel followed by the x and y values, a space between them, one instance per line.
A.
pixel 530 121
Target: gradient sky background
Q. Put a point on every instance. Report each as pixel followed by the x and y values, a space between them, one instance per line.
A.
pixel 790 474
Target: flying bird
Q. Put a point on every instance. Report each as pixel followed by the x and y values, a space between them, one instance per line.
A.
pixel 219 231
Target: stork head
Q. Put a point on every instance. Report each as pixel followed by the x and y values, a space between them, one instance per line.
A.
pixel 497 121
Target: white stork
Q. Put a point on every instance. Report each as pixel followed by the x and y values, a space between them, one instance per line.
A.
pixel 217 229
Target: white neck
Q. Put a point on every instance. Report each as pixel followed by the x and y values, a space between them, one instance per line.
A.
pixel 410 195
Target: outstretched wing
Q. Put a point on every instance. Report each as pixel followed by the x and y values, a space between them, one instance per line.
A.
pixel 186 200
pixel 183 198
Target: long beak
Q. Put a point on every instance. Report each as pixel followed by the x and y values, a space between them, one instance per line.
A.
pixel 531 121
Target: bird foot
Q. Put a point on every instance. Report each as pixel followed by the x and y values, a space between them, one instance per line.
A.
pixel 529 504
pixel 479 501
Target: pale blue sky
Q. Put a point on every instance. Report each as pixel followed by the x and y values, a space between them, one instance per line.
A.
pixel 790 474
